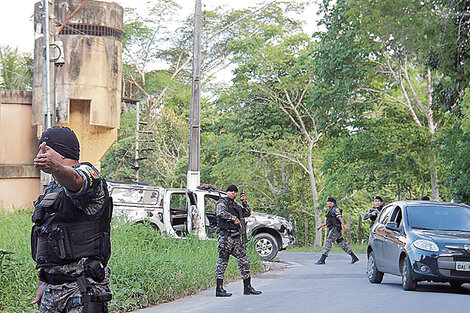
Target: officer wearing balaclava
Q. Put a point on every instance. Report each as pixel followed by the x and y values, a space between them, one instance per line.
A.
pixel 71 234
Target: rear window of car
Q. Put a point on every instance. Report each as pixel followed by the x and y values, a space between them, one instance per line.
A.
pixel 136 196
pixel 439 217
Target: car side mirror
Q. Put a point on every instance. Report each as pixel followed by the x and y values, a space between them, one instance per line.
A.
pixel 392 226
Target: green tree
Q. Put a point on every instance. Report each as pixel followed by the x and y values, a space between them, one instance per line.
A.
pixel 415 47
pixel 16 69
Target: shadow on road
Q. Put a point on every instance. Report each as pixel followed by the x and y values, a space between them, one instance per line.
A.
pixel 434 288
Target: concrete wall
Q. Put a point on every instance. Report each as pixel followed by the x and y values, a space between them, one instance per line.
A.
pixel 87 94
pixel 19 179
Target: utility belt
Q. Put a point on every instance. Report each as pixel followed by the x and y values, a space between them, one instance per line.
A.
pixel 230 232
pixel 90 299
pixel 330 227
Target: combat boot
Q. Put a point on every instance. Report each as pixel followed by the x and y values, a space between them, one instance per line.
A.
pixel 354 258
pixel 220 291
pixel 248 289
pixel 321 260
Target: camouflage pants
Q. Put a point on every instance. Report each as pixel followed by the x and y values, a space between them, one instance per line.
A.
pixel 227 246
pixel 56 297
pixel 334 234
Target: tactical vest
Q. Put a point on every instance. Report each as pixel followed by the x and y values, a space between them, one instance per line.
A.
pixel 232 208
pixel 331 219
pixel 62 233
pixel 373 218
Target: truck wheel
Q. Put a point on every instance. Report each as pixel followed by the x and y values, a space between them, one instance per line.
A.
pixel 266 246
pixel 375 276
pixel 407 281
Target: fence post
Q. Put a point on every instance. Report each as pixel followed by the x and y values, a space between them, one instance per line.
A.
pixel 359 231
pixel 306 230
pixel 349 226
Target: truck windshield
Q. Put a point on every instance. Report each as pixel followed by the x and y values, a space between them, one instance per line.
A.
pixel 439 217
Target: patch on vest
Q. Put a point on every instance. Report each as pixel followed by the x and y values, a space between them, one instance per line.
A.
pixel 90 172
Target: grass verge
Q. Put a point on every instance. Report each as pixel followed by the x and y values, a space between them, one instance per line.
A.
pixel 147 268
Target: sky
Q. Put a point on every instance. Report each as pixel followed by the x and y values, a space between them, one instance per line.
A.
pixel 17 30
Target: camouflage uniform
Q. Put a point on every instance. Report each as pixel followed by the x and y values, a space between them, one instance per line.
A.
pixel 90 199
pixel 231 242
pixel 334 231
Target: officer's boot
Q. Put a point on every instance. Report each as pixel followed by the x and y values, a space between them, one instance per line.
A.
pixel 321 260
pixel 220 291
pixel 354 258
pixel 248 289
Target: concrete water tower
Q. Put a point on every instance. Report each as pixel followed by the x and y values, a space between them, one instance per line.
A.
pixel 86 71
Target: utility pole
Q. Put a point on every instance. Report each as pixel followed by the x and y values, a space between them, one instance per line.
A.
pixel 46 178
pixel 47 66
pixel 194 174
pixel 137 129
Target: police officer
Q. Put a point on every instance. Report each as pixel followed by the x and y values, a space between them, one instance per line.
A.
pixel 71 234
pixel 374 212
pixel 334 222
pixel 231 240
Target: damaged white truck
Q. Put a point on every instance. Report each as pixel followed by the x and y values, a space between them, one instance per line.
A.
pixel 179 212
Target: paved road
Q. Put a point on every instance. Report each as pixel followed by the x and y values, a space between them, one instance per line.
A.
pixel 335 287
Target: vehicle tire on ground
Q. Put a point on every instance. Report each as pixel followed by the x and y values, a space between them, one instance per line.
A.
pixel 455 284
pixel 375 276
pixel 407 281
pixel 266 246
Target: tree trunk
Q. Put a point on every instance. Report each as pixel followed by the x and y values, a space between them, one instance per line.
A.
pixel 313 187
pixel 433 170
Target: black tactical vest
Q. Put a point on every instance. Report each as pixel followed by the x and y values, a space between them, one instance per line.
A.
pixel 331 219
pixel 62 233
pixel 234 209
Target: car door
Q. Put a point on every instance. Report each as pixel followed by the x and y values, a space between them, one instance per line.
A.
pixel 394 241
pixel 179 208
pixel 378 236
pixel 191 205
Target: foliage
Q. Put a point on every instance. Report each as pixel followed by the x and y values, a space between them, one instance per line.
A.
pixel 385 152
pixel 147 268
pixel 16 69
pixel 375 104
pixel 454 146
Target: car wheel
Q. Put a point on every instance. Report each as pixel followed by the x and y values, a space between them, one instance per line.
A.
pixel 266 246
pixel 407 281
pixel 375 276
pixel 455 284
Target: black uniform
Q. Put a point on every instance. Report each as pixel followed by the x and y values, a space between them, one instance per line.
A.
pixel 334 231
pixel 369 215
pixel 70 242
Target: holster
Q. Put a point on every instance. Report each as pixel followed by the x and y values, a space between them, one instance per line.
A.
pixel 230 232
pixel 90 299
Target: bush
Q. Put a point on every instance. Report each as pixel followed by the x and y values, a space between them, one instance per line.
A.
pixel 147 268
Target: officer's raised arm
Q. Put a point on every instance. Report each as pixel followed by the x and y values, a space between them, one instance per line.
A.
pixel 245 207
pixel 60 166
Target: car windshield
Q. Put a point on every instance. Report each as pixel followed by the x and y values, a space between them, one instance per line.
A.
pixel 442 217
